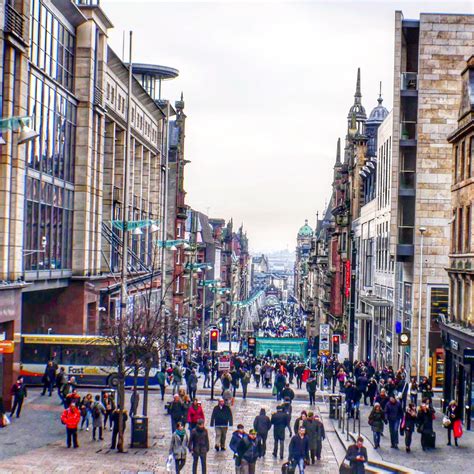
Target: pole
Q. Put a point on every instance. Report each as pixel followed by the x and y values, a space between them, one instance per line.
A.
pixel 214 319
pixel 352 305
pixel 164 226
pixel 203 311
pixel 420 286
pixel 212 374
pixel 190 312
pixel 231 306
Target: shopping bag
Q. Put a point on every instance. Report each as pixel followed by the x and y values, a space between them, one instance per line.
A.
pixel 169 463
pixel 457 429
pixel 446 422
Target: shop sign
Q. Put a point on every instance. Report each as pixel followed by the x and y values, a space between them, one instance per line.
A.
pixel 348 278
pixel 454 345
pixel 7 347
pixel 468 356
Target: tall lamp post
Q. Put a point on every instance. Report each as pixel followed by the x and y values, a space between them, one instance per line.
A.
pixel 420 286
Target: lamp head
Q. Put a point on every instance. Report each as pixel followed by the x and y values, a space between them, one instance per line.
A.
pixel 26 133
pixel 173 248
pixel 154 228
pixel 137 231
pixel 422 230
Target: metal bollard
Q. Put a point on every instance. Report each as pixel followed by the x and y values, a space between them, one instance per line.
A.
pixel 342 419
pixel 354 422
pixel 347 430
pixel 358 418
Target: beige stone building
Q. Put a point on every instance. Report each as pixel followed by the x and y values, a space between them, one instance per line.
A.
pixel 62 193
pixel 430 54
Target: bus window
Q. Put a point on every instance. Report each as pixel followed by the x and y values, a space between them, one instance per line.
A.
pixel 69 355
pixel 35 354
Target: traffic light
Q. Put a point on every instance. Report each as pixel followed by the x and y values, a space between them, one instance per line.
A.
pixel 252 345
pixel 213 339
pixel 336 340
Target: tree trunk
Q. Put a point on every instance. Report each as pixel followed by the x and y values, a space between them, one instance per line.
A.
pixel 145 388
pixel 121 403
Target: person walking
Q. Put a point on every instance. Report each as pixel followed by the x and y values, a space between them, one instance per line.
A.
pixel 71 417
pixel 409 425
pixel 192 384
pixel 134 401
pixel 61 382
pixel 199 446
pixel 393 414
pixel 280 421
pixel 161 379
pixel 49 378
pixel 195 413
pixel 300 421
pixel 245 383
pixel 221 420
pixel 316 434
pixel 177 378
pixel 413 391
pixel 370 392
pixel 237 436
pixel 257 373
pixel 19 393
pixel 376 422
pixel 109 405
pixel 424 422
pixel 298 450
pixel 178 445
pixel 98 412
pixel 248 452
pixel 206 369
pixel 453 414
pixel 262 425
pixel 86 411
pixel 177 412
pixel 311 384
pixel 357 456
pixel 115 421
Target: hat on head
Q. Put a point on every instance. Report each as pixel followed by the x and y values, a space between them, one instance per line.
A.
pixel 252 432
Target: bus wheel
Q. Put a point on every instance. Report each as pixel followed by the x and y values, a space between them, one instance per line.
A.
pixel 113 381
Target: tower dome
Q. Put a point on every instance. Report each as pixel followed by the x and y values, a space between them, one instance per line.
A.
pixel 306 230
pixel 379 113
pixel 357 109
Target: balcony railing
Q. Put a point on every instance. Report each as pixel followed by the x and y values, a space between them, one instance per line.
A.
pixel 98 96
pixel 409 81
pixel 89 3
pixel 14 22
pixel 405 235
pixel 408 130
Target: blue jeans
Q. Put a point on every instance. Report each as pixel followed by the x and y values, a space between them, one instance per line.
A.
pixel 376 438
pixel 393 427
pixel 300 465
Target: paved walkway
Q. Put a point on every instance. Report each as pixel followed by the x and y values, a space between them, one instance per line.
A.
pixel 36 442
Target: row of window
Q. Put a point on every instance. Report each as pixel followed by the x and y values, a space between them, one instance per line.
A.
pixel 384 167
pixel 54 117
pixel 461 230
pixel 463 160
pixel 461 299
pixel 52 45
pixel 382 260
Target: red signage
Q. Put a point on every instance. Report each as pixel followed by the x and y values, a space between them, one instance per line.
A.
pixel 348 278
pixel 7 347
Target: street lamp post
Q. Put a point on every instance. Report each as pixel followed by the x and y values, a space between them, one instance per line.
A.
pixel 420 286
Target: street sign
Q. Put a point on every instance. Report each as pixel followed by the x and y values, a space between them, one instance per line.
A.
pixel 182 346
pixel 468 356
pixel 404 339
pixel 324 353
pixel 324 359
pixel 224 363
pixel 7 347
pixel 324 330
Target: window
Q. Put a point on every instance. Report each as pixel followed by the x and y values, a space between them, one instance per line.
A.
pixel 407 305
pixel 471 157
pixel 368 270
pixel 52 45
pixel 439 298
pixel 456 163
pixel 460 230
pixel 453 232
pixel 467 233
pixel 462 162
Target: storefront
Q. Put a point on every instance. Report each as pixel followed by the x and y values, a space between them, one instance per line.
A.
pixel 458 375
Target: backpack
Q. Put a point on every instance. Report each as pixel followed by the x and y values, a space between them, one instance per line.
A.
pixel 96 411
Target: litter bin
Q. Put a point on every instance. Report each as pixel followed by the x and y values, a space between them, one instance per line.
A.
pixel 335 402
pixel 139 432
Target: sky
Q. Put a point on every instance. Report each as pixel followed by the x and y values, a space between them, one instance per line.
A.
pixel 267 87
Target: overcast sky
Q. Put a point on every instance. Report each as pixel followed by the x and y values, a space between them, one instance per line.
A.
pixel 267 87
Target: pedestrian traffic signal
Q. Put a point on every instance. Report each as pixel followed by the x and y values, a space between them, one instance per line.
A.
pixel 213 339
pixel 252 345
pixel 336 340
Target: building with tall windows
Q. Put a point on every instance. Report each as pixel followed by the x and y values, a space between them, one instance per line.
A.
pixel 61 230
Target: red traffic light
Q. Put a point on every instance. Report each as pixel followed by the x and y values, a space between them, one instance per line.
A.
pixel 214 334
pixel 335 338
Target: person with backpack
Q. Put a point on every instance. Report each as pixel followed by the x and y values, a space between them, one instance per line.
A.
pixel 199 446
pixel 86 411
pixel 98 412
pixel 262 425
pixel 179 442
pixel 237 436
pixel 245 383
pixel 248 452
pixel 71 417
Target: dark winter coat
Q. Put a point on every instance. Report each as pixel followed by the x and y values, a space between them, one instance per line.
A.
pixel 262 423
pixel 393 411
pixel 248 449
pixel 315 432
pixel 199 441
pixel 177 411
pixel 280 421
pixel 424 421
pixel 221 416
pixel 377 420
pixel 357 467
pixel 299 448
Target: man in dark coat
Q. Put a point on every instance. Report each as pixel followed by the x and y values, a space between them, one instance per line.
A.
pixel 280 421
pixel 49 378
pixel 357 456
pixel 298 450
pixel 288 392
pixel 199 445
pixel 394 414
pixel 177 412
pixel 315 433
pixel 262 425
pixel 221 419
pixel 248 452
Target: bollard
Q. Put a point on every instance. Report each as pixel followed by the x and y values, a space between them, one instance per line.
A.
pixel 347 430
pixel 354 423
pixel 358 419
pixel 342 419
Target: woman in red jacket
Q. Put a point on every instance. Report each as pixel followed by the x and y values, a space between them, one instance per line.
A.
pixel 71 417
pixel 195 413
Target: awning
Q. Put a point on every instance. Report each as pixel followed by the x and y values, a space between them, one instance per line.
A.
pixel 364 316
pixel 376 302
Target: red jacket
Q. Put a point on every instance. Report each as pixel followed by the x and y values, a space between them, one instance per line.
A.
pixel 195 414
pixel 71 417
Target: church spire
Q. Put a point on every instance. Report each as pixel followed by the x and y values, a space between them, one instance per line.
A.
pixel 338 152
pixel 380 100
pixel 358 94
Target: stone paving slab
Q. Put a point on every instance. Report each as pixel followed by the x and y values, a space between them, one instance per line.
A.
pixel 36 442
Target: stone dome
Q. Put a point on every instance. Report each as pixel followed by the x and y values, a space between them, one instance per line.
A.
pixel 379 113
